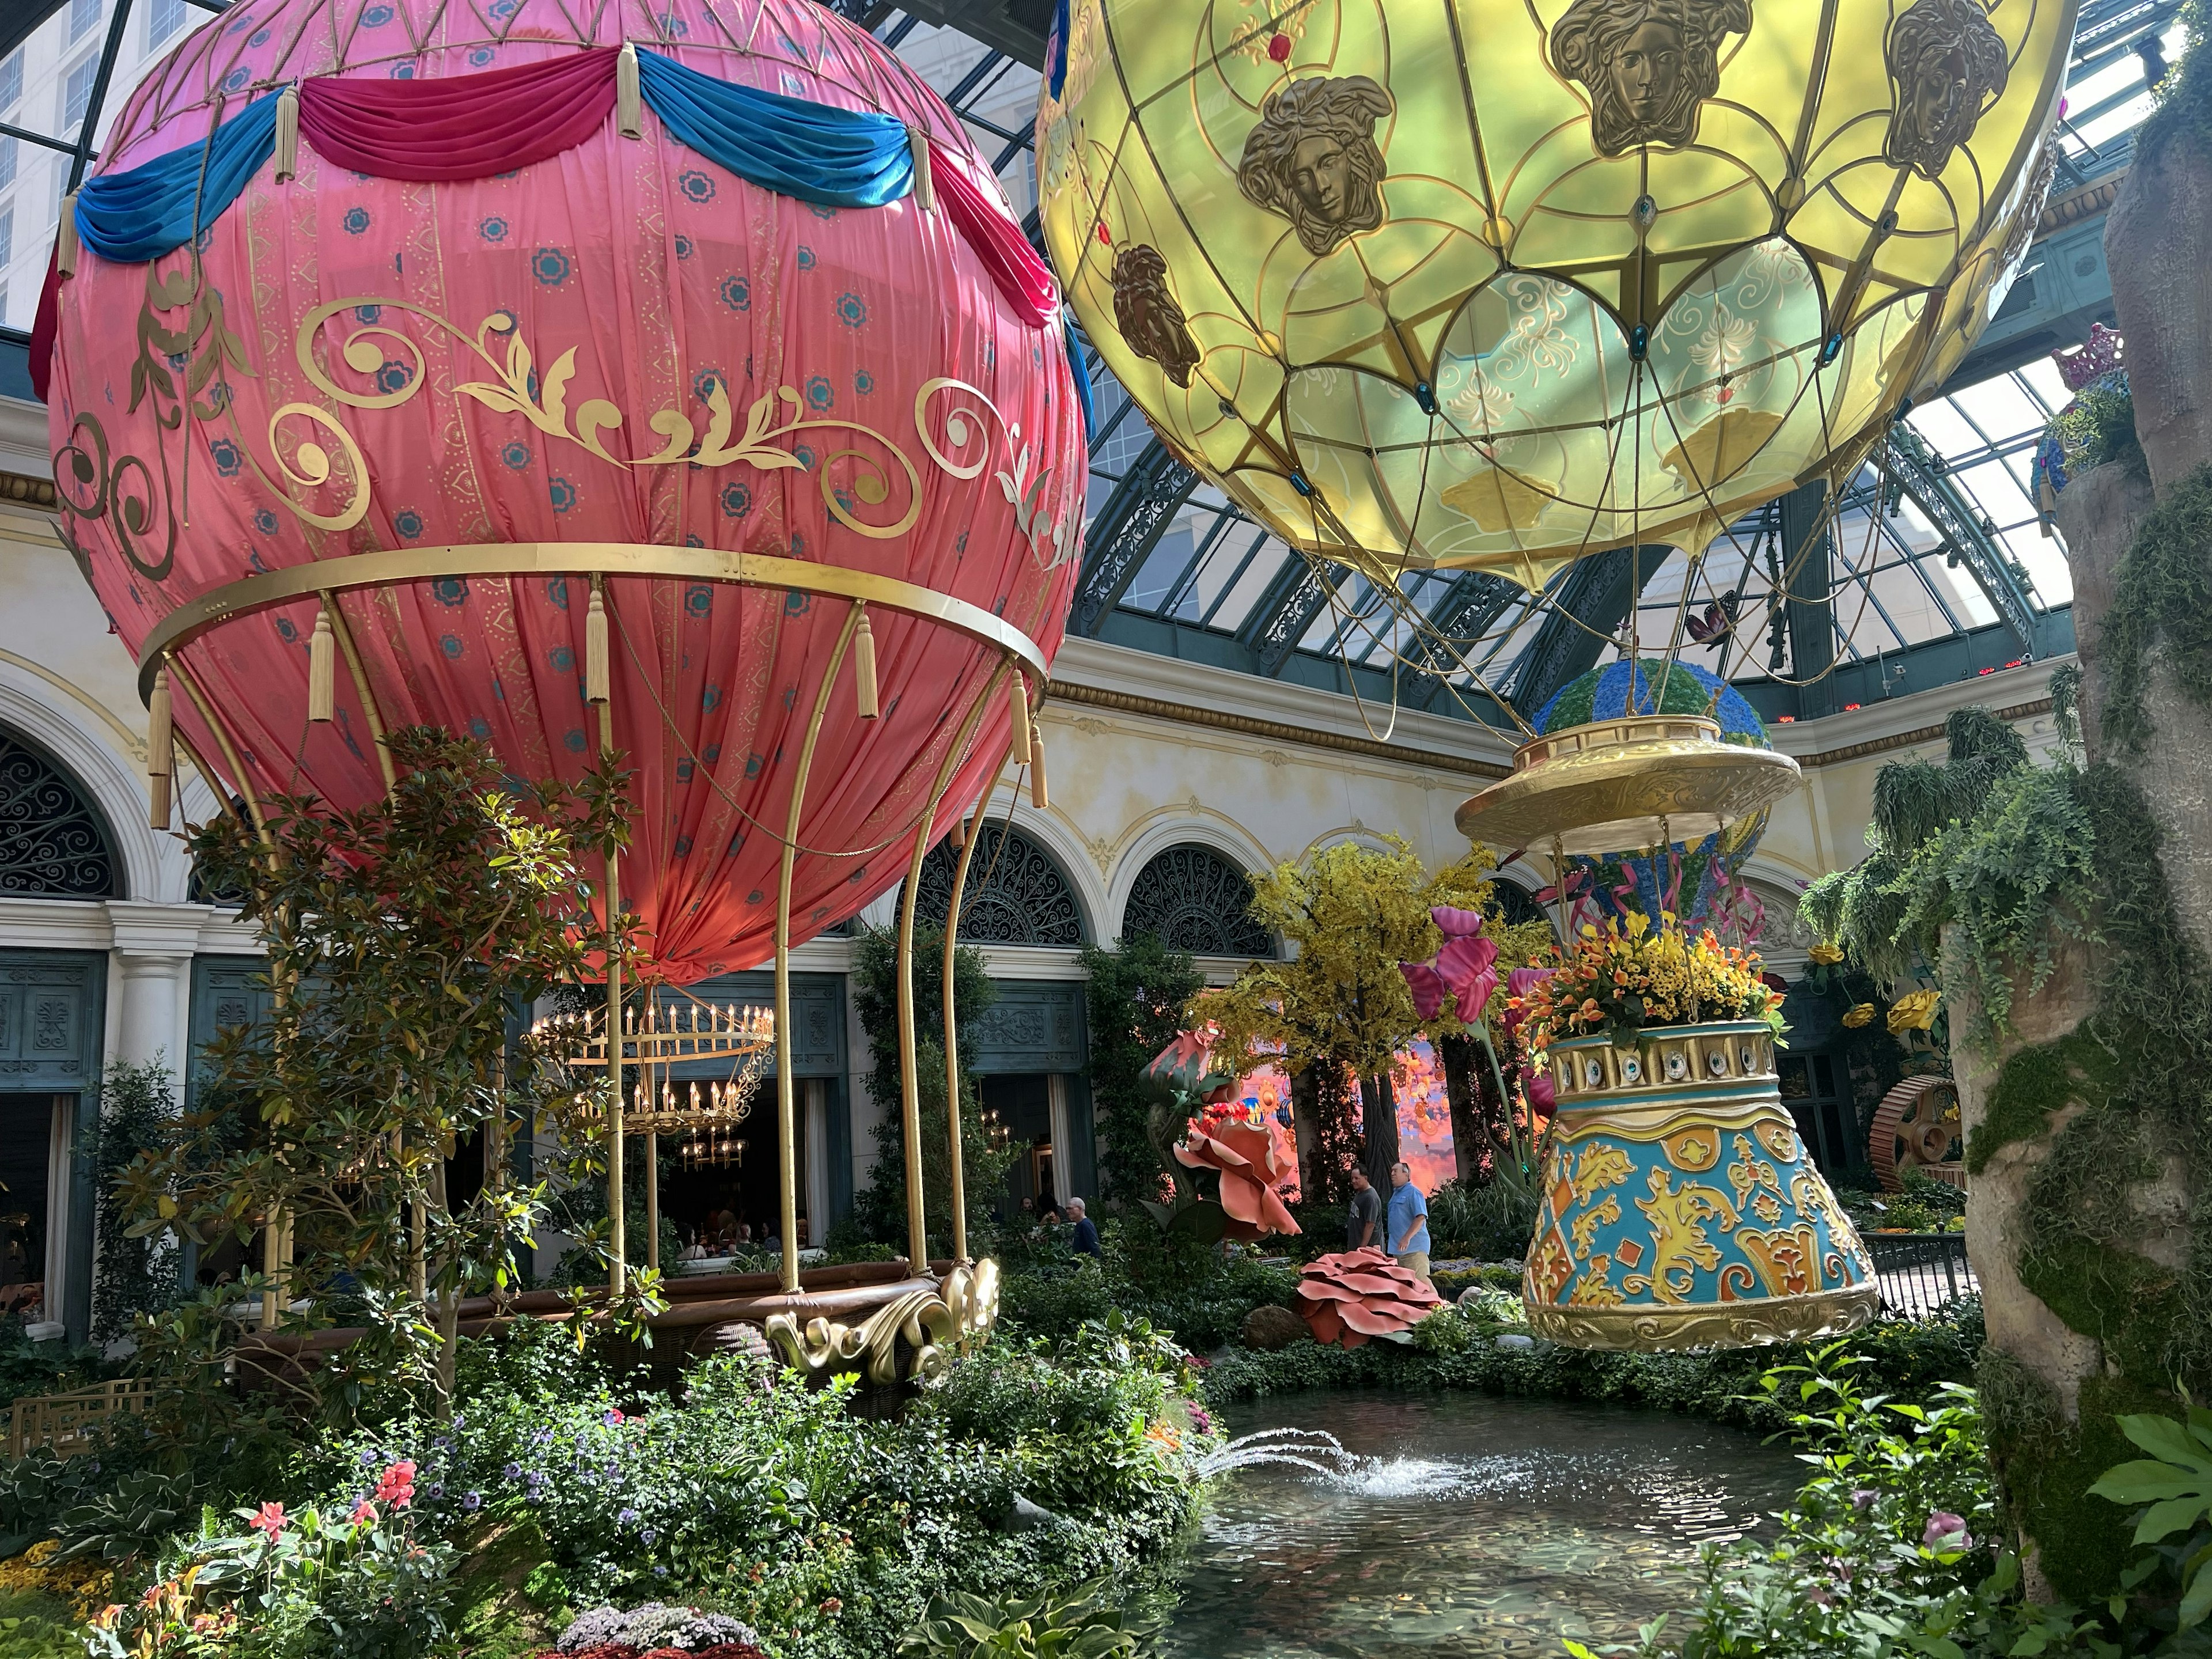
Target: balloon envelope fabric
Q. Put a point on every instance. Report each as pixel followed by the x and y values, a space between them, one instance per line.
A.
pixel 623 344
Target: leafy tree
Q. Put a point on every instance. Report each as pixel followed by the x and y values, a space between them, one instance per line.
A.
pixel 138 1273
pixel 1340 1007
pixel 879 1211
pixel 1137 994
pixel 399 936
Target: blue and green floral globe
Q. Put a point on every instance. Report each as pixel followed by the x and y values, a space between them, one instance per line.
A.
pixel 1700 883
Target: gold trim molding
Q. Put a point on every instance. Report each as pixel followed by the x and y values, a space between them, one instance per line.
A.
pixel 1745 1324
pixel 527 559
pixel 25 491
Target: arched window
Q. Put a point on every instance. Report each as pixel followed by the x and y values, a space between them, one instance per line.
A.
pixel 1016 895
pixel 1191 898
pixel 54 843
pixel 1516 904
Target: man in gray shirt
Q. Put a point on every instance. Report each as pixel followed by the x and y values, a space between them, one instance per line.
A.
pixel 1363 1224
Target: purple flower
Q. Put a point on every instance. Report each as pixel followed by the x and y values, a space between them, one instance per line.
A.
pixel 473 1502
pixel 443 1443
pixel 626 1517
pixel 513 1471
pixel 436 1489
pixel 368 1457
pixel 647 1535
pixel 660 1572
pixel 544 1436
pixel 1863 1498
pixel 1945 1530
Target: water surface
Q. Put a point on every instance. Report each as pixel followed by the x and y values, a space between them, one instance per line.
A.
pixel 1470 1525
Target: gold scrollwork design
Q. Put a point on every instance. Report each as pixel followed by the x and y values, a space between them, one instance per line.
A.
pixel 1053 542
pixel 1732 1324
pixel 933 1324
pixel 518 389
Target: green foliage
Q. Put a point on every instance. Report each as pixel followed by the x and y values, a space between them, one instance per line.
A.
pixel 1135 997
pixel 2175 1482
pixel 33 1626
pixel 2161 595
pixel 2183 111
pixel 1080 1623
pixel 1884 1551
pixel 1493 1222
pixel 1200 1295
pixel 400 935
pixel 879 1209
pixel 134 1273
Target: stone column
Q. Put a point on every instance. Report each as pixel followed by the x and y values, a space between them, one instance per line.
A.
pixel 2158 246
pixel 154 945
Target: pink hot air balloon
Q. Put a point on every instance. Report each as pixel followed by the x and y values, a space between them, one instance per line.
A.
pixel 446 397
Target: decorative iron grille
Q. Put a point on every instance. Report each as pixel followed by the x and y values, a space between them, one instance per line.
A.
pixel 1191 898
pixel 53 841
pixel 1016 895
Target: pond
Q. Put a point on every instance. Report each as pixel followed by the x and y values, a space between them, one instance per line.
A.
pixel 1465 1525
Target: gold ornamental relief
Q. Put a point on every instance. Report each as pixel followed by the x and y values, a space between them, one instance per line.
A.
pixel 1313 159
pixel 1648 65
pixel 1946 66
pixel 1732 1325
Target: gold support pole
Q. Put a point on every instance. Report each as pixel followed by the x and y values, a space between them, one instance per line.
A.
pixel 617 1269
pixel 786 1105
pixel 272 1233
pixel 910 1084
pixel 951 1033
pixel 222 741
pixel 360 689
pixel 653 1201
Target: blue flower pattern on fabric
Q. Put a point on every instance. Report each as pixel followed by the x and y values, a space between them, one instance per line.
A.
pixel 704 382
pixel 450 645
pixel 561 660
pixel 852 310
pixel 573 741
pixel 556 592
pixel 480 729
pixel 393 375
pixel 550 266
pixel 516 455
pixel 563 495
pixel 818 393
pixel 446 590
pixel 356 221
pixel 863 382
pixel 493 229
pixel 698 188
pixel 806 257
pixel 409 523
pixel 683 249
pixel 699 599
pixel 737 293
pixel 264 521
pixel 228 460
pixel 286 631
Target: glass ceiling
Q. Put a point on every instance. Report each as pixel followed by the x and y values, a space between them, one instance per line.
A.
pixel 1900 581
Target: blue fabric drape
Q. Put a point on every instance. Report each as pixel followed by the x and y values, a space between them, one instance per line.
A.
pixel 158 207
pixel 834 157
pixel 1074 339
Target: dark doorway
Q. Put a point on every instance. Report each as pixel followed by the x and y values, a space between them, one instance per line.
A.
pixel 736 1176
pixel 26 1156
pixel 1021 1105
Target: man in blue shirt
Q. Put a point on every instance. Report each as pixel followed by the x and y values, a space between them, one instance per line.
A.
pixel 1408 1223
pixel 1086 1230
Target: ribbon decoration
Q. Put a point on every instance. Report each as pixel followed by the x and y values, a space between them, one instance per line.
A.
pixel 472 126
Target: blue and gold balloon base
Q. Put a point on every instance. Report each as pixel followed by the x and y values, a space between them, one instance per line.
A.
pixel 1680 1208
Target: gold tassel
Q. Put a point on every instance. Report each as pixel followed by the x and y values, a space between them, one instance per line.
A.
pixel 287 133
pixel 959 836
pixel 1021 720
pixel 1036 769
pixel 322 670
pixel 864 666
pixel 595 648
pixel 629 102
pixel 65 244
pixel 924 188
pixel 160 748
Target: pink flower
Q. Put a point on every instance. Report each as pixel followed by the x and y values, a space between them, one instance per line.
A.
pixel 1537 1084
pixel 270 1521
pixel 1945 1530
pixel 364 1513
pixel 398 1485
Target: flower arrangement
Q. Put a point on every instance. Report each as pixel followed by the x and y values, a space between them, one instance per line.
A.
pixel 1630 976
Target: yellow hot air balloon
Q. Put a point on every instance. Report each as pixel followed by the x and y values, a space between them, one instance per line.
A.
pixel 1490 284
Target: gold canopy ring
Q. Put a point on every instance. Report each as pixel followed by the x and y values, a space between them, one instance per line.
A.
pixel 524 559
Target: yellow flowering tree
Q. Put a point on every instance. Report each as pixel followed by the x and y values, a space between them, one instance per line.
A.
pixel 1340 1009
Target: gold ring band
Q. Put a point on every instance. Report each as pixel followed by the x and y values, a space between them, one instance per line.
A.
pixel 212 609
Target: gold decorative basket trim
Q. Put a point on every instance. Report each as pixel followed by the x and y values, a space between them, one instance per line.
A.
pixel 527 559
pixel 1729 1324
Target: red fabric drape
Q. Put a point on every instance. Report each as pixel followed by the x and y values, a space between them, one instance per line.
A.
pixel 1020 275
pixel 44 325
pixel 462 126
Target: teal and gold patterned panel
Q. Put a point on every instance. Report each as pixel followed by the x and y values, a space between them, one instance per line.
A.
pixel 1680 1209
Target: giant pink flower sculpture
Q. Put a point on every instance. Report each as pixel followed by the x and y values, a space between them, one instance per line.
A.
pixel 1250 1168
pixel 1465 969
pixel 1186 1066
pixel 1354 1295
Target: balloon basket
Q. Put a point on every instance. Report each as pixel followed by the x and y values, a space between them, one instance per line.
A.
pixel 1681 1210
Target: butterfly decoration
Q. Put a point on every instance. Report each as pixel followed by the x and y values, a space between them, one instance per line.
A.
pixel 1465 969
pixel 1718 620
